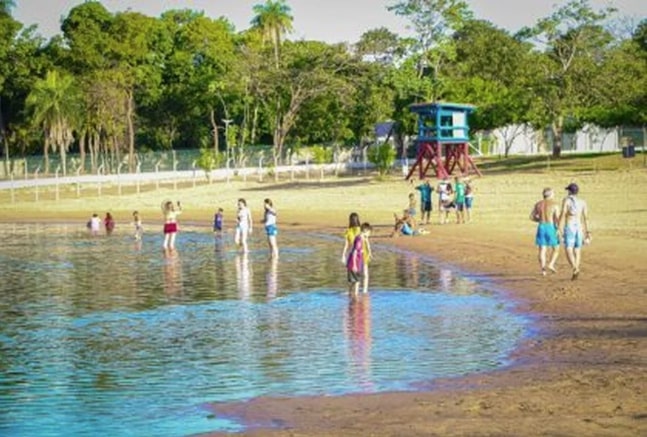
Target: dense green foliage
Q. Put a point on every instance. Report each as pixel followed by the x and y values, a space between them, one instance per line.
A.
pixel 113 86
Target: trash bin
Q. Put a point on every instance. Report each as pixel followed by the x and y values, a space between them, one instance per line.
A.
pixel 629 151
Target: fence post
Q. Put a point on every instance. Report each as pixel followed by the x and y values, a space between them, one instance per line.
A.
pixel 58 169
pixel 78 182
pixel 307 167
pixel 119 178
pixel 157 179
pixel 139 171
pixel 13 194
pixel 364 159
pixel 36 183
pixel 228 167
pixel 260 169
pixel 99 173
pixel 174 172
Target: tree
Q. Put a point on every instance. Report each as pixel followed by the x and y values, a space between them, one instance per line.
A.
pixel 378 45
pixel 491 71
pixel 54 103
pixel 311 69
pixel 434 23
pixel 573 38
pixel 273 19
pixel 8 30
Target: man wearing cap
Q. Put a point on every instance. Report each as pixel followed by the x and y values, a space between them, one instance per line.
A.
pixel 575 221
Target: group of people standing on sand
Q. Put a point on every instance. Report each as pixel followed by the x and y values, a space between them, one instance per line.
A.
pixel 244 225
pixel 458 197
pixel 570 220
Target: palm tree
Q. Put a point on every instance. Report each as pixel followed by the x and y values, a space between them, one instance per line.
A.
pixel 54 103
pixel 273 19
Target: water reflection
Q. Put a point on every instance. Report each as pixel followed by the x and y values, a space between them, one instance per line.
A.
pixel 358 331
pixel 135 345
pixel 272 278
pixel 172 273
pixel 243 276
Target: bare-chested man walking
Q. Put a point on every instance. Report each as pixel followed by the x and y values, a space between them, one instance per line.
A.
pixel 546 214
pixel 575 221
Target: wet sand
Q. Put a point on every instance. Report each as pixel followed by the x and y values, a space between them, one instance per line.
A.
pixel 583 373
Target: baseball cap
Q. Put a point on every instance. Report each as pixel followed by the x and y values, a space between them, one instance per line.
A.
pixel 572 188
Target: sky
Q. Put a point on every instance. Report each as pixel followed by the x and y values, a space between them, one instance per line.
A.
pixel 331 21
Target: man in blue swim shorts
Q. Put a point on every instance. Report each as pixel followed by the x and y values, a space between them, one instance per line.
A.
pixel 576 232
pixel 546 214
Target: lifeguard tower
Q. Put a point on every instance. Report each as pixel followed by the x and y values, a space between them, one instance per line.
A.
pixel 443 139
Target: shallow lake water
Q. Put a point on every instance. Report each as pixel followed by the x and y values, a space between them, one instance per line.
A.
pixel 105 336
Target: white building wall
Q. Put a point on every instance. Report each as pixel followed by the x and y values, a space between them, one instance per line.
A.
pixel 528 141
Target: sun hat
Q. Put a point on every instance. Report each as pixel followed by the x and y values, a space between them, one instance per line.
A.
pixel 572 188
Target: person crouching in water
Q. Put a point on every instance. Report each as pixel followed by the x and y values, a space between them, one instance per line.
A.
pixel 170 223
pixel 358 259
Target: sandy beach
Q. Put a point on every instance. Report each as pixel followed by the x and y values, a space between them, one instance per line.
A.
pixel 583 373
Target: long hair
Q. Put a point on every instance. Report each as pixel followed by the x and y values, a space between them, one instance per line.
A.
pixel 353 220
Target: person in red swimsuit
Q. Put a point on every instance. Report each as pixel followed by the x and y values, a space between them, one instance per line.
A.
pixel 170 223
pixel 109 223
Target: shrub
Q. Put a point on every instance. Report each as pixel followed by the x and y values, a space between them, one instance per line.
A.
pixel 382 156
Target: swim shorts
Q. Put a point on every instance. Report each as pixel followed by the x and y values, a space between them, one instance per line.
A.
pixel 573 236
pixel 546 235
pixel 271 230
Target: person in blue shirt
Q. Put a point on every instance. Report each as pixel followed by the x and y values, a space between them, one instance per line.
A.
pixel 425 200
pixel 217 221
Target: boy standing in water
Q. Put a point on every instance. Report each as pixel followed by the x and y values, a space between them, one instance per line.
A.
pixel 217 222
pixel 137 222
pixel 357 258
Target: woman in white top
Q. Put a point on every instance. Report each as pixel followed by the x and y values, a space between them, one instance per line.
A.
pixel 243 225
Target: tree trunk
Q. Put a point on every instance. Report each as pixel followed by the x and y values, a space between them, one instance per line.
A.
pixel 252 136
pixel 5 143
pixel 558 130
pixel 46 154
pixel 214 130
pixel 93 155
pixel 82 141
pixel 131 131
pixel 63 153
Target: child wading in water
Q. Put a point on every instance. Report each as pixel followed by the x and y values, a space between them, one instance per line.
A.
pixel 243 225
pixel 170 223
pixel 358 258
pixel 137 223
pixel 217 222
pixel 269 219
pixel 109 223
pixel 94 225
